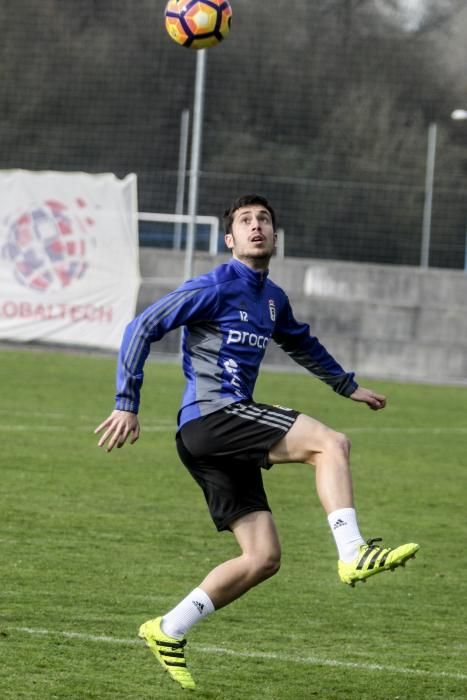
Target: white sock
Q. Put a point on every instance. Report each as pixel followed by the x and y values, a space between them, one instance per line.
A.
pixel 187 613
pixel 344 527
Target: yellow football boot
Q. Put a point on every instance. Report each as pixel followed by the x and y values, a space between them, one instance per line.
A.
pixel 372 559
pixel 168 651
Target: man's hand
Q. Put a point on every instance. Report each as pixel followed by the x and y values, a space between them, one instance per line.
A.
pixel 373 400
pixel 118 426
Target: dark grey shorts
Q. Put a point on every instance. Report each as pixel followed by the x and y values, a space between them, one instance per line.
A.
pixel 225 451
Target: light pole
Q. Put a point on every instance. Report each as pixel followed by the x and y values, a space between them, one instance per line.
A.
pixel 461 115
pixel 183 150
pixel 457 115
pixel 429 180
pixel 196 139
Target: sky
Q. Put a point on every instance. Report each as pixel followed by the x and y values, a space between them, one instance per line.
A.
pixel 410 15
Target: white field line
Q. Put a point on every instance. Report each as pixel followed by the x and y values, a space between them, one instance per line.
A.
pixel 23 428
pixel 164 427
pixel 47 415
pixel 168 425
pixel 273 656
pixel 439 430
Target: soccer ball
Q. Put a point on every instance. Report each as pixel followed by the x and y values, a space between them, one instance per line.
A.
pixel 198 24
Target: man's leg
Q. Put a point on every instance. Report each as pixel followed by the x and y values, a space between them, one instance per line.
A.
pixel 260 556
pixel 259 559
pixel 311 442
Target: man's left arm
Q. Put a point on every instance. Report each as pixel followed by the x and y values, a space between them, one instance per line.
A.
pixel 296 340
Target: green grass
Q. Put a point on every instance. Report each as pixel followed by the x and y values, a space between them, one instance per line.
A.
pixel 93 544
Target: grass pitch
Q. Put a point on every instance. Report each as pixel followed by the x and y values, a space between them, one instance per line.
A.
pixel 93 544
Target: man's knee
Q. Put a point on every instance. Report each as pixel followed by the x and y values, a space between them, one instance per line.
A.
pixel 265 565
pixel 333 445
pixel 343 443
pixel 271 565
pixel 337 444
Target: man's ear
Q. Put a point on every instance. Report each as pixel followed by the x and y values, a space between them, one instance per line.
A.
pixel 229 242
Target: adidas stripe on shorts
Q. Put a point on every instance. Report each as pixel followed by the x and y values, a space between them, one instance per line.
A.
pixel 225 452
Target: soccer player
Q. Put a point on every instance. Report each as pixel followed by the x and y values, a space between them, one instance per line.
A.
pixel 225 438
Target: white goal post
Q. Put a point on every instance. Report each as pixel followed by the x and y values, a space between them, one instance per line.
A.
pixel 211 221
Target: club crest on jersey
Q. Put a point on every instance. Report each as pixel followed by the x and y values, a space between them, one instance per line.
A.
pixel 272 309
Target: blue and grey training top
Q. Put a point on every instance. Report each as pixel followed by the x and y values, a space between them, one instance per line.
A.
pixel 229 316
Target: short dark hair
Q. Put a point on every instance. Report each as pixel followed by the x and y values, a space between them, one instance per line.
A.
pixel 247 200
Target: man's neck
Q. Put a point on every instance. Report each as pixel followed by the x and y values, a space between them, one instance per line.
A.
pixel 257 264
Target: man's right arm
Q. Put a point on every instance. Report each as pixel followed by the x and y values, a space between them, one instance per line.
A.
pixel 170 312
pixel 184 305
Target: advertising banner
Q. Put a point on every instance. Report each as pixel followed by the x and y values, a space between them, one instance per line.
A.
pixel 69 266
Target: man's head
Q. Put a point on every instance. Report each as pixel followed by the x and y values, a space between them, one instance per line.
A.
pixel 246 201
pixel 249 226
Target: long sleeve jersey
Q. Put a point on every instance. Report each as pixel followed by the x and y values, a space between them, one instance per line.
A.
pixel 229 316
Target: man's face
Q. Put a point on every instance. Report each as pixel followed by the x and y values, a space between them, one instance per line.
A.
pixel 252 237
